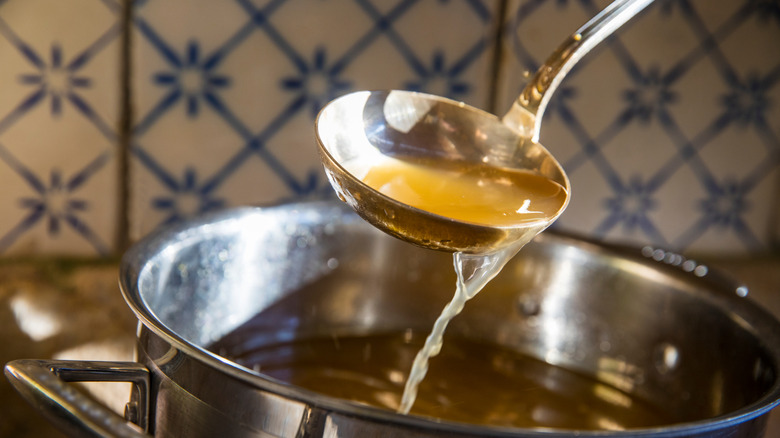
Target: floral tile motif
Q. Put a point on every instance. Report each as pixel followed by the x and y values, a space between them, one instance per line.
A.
pixel 59 116
pixel 670 131
pixel 225 94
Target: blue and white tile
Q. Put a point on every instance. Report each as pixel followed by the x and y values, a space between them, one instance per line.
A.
pixel 225 96
pixel 670 131
pixel 59 118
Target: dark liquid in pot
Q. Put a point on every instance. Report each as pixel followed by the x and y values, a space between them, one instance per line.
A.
pixel 470 382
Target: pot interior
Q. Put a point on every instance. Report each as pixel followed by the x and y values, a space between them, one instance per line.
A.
pixel 653 337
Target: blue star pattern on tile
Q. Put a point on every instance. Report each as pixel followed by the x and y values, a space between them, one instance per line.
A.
pixel 318 83
pixel 57 79
pixel 748 101
pixel 650 96
pixel 440 80
pixel 315 74
pixel 187 199
pixel 726 205
pixel 57 202
pixel 656 101
pixel 192 79
pixel 630 208
pixel 724 209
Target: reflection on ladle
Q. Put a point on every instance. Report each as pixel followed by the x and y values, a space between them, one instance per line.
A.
pixel 407 128
pixel 412 164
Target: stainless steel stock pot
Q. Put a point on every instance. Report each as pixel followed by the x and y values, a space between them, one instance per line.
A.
pixel 652 323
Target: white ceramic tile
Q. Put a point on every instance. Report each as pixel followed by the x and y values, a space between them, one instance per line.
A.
pixel 225 96
pixel 59 114
pixel 669 132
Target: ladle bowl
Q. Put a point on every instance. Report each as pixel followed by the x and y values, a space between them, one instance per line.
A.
pixel 359 130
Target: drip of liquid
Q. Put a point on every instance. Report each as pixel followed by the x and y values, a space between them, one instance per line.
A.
pixel 473 273
pixel 474 193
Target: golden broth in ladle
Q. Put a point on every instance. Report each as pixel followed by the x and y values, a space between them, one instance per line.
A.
pixel 476 193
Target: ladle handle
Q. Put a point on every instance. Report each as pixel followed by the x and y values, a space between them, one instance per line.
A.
pixel 528 109
pixel 42 384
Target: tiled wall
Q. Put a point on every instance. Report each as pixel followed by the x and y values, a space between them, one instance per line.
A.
pixel 670 131
pixel 60 114
pixel 226 92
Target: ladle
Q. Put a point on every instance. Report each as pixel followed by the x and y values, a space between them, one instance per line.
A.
pixel 358 130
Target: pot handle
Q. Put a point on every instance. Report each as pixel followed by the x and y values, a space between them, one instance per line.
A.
pixel 42 384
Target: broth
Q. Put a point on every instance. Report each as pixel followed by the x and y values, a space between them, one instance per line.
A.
pixel 474 193
pixel 470 382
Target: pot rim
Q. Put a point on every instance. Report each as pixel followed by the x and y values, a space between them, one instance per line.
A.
pixel 136 258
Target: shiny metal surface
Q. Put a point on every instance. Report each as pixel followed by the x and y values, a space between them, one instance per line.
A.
pixel 42 384
pixel 655 325
pixel 526 113
pixel 354 131
pixel 675 335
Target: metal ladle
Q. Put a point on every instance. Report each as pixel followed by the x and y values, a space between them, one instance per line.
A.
pixel 358 129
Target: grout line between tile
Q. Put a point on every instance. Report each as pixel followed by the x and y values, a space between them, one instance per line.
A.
pixel 125 125
pixel 498 57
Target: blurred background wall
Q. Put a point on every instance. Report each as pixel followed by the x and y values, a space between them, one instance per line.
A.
pixel 116 118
